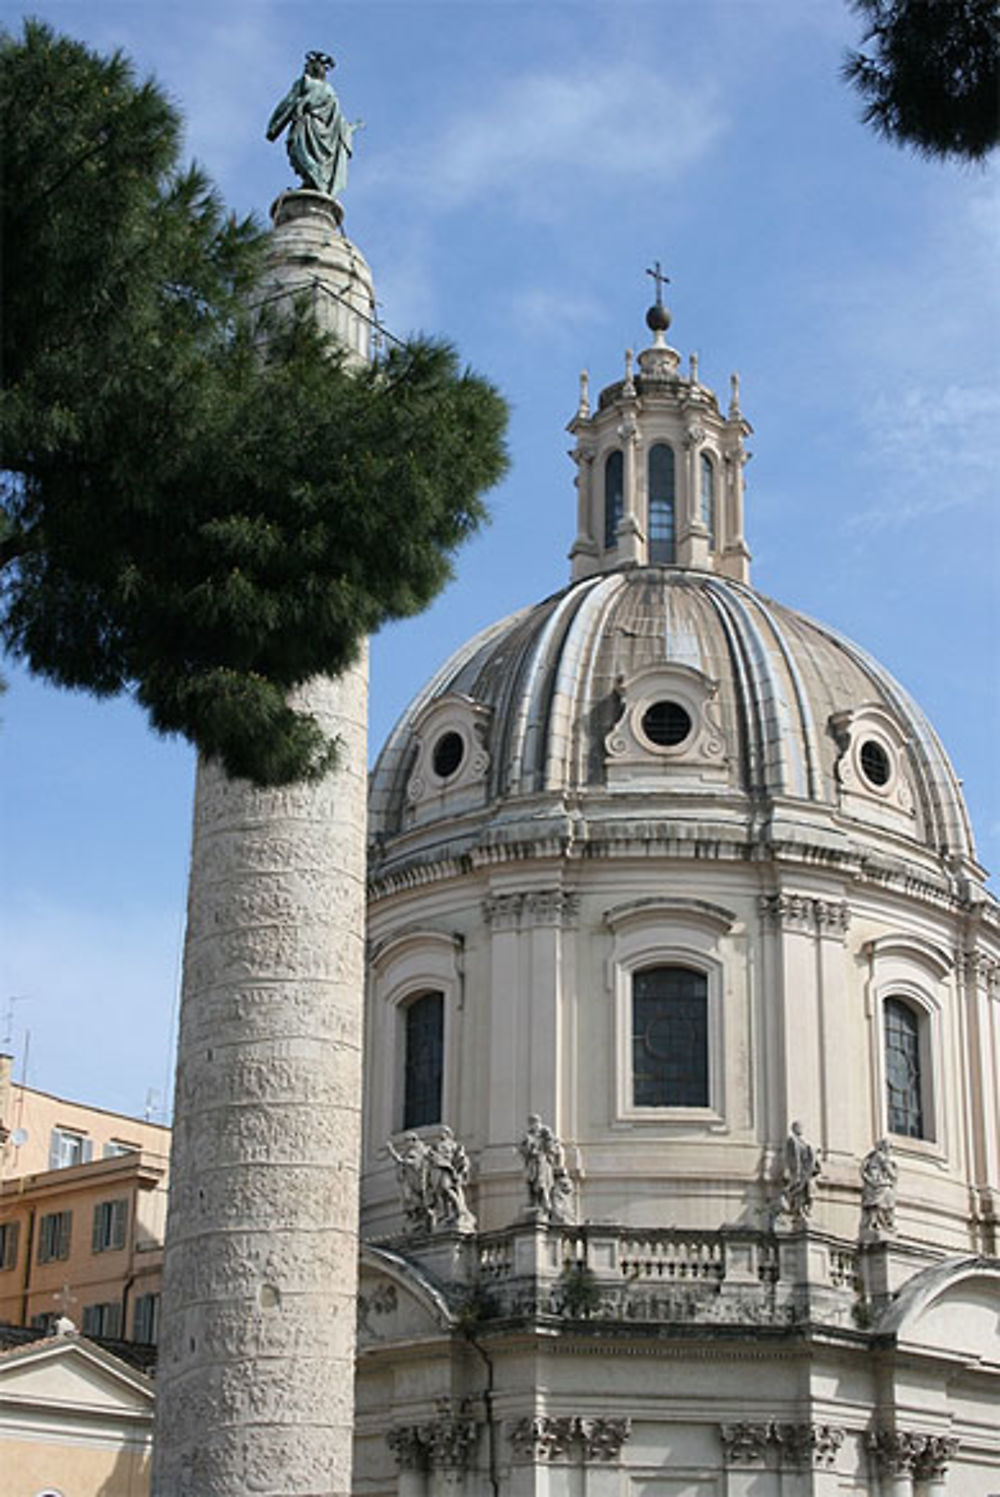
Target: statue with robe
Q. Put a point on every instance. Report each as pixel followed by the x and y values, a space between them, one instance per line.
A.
pixel 879 1179
pixel 320 139
pixel 801 1166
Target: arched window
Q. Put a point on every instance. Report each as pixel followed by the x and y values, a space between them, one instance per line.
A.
pixel 614 497
pixel 903 1078
pixel 423 1062
pixel 669 1037
pixel 708 498
pixel 661 503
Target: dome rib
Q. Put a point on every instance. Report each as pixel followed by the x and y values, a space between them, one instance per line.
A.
pixel 548 676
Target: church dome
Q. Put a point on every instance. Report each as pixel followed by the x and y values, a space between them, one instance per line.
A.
pixel 657 691
pixel 659 696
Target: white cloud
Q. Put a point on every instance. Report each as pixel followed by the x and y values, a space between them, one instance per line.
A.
pixel 551 133
pixel 907 435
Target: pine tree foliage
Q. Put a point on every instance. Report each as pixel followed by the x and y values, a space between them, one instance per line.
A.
pixel 930 74
pixel 191 512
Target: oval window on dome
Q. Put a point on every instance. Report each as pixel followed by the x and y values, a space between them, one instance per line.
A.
pixel 449 751
pixel 876 765
pixel 666 724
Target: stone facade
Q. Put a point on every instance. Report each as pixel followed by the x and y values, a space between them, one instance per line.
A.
pixel 664 773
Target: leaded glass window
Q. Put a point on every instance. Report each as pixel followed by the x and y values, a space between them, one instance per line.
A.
pixel 669 1038
pixel 708 498
pixel 614 497
pixel 661 503
pixel 423 1066
pixel 904 1101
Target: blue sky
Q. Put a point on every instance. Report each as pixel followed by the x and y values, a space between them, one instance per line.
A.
pixel 522 163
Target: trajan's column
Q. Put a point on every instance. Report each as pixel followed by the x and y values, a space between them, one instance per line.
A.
pixel 256 1366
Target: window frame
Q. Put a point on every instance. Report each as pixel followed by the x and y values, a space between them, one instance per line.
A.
pixel 611 529
pixel 912 970
pixel 149 1312
pixel 56 1251
pixel 401 969
pixel 59 1138
pixel 708 504
pixel 668 933
pixel 701 997
pixel 109 1229
pixel 666 503
pixel 406 1011
pixel 927 1014
pixel 10 1245
pixel 894 1003
pixel 102 1310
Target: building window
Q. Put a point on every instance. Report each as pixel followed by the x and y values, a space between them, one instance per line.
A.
pixel 67 1147
pixel 614 497
pixel 53 1236
pixel 146 1319
pixel 116 1148
pixel 423 1067
pixel 708 498
pixel 103 1320
pixel 109 1226
pixel 44 1321
pixel 9 1233
pixel 661 503
pixel 669 1038
pixel 903 1078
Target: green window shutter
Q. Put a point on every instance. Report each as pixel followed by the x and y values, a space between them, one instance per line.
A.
pixel 113 1319
pixel 119 1218
pixel 65 1226
pixel 97 1234
pixel 8 1244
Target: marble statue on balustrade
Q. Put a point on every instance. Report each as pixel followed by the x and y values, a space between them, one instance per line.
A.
pixel 550 1189
pixel 432 1179
pixel 879 1179
pixel 320 140
pixel 801 1166
pixel 413 1179
pixel 448 1176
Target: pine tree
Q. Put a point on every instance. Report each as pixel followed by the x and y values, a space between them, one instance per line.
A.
pixel 192 512
pixel 931 74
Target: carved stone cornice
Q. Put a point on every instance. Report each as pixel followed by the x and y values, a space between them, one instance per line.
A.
pixel 797 1444
pixel 978 970
pixel 932 1462
pixel 809 1444
pixel 548 1437
pixel 407 1446
pixel 542 1438
pixel 901 1452
pixel 450 1442
pixel 445 1444
pixel 603 1438
pixel 744 1443
pixel 807 915
pixel 535 907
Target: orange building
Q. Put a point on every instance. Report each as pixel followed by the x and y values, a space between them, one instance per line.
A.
pixel 83 1196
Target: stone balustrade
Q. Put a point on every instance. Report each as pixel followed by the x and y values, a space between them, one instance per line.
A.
pixel 734 1275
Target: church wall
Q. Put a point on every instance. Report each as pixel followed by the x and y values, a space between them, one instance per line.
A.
pixel 536 986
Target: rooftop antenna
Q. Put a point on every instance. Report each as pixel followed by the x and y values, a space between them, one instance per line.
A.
pixel 8 1021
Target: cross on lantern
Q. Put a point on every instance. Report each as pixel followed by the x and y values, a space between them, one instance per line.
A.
pixel 659 278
